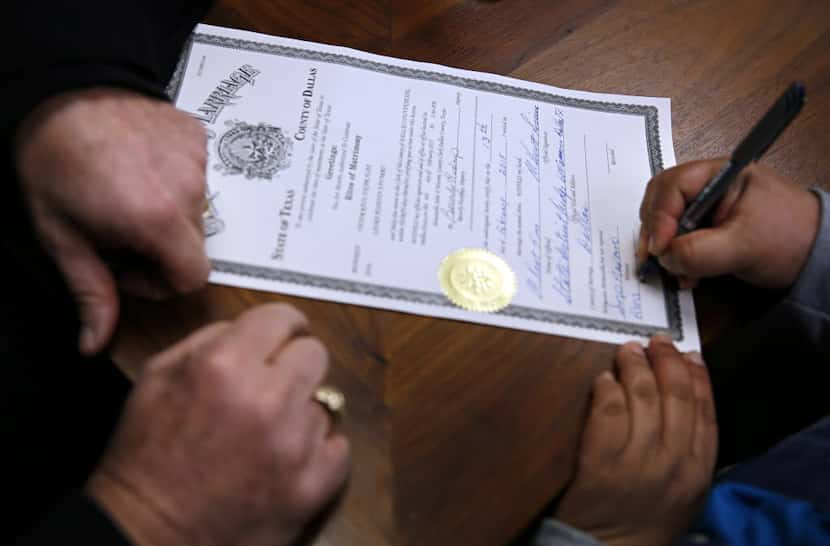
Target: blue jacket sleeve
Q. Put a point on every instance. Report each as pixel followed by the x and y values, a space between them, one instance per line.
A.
pixel 780 498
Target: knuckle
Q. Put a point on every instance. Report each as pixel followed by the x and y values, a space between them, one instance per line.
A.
pixel 282 321
pixel 665 357
pixel 289 312
pixel 304 360
pixel 208 333
pixel 159 211
pixel 644 389
pixel 679 390
pixel 315 357
pixel 316 351
pixel 664 183
pixel 283 314
pixel 612 406
pixel 156 366
pixel 674 375
pixel 253 414
pixel 660 218
pixel 624 356
pixel 214 366
pixel 685 251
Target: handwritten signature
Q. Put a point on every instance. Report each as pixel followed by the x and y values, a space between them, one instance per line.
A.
pixel 562 248
pixel 617 276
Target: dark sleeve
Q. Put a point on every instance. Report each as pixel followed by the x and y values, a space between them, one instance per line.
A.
pixel 782 354
pixel 55 45
pixel 810 296
pixel 74 521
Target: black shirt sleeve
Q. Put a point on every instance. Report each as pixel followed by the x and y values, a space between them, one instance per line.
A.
pixel 54 45
pixel 74 521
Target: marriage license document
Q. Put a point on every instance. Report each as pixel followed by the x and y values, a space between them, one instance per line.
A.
pixel 346 176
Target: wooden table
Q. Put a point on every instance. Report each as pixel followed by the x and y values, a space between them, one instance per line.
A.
pixel 462 433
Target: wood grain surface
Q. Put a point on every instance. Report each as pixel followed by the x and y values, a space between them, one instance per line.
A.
pixel 462 433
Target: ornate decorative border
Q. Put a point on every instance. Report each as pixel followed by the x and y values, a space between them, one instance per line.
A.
pixel 649 113
pixel 425 298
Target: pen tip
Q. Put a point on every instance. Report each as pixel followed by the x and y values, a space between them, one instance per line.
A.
pixel 643 270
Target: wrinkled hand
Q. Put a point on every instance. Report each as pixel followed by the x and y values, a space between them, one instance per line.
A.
pixel 762 232
pixel 220 442
pixel 112 175
pixel 648 449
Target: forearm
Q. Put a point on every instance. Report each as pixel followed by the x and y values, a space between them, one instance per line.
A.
pixel 59 46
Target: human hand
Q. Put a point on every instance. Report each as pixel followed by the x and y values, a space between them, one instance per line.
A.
pixel 110 175
pixel 221 443
pixel 648 449
pixel 762 232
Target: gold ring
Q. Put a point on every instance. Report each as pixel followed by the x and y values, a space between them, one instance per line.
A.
pixel 332 400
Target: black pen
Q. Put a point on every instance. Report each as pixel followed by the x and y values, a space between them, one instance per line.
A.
pixel 750 149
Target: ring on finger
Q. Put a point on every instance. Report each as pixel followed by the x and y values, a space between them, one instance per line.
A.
pixel 332 400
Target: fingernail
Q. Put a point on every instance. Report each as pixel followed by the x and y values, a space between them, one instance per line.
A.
pixel 607 375
pixel 87 340
pixel 662 337
pixel 634 347
pixel 651 245
pixel 695 358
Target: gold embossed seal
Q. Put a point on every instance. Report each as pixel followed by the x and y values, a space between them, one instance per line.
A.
pixel 477 280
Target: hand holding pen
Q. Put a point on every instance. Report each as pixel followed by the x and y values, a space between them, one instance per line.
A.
pixel 756 225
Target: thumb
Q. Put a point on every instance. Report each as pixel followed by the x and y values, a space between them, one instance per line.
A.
pixel 90 282
pixel 703 253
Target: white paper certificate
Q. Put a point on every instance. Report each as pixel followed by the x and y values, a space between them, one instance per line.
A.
pixel 346 176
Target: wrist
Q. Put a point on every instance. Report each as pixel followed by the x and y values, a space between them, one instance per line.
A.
pixel 137 518
pixel 61 106
pixel 808 221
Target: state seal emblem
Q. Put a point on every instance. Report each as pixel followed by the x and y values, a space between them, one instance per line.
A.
pixel 257 151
